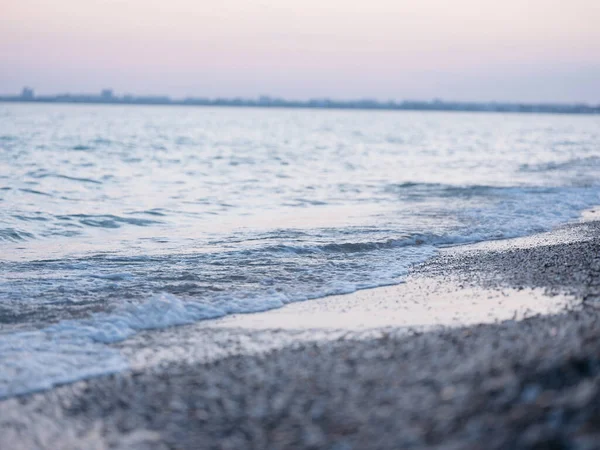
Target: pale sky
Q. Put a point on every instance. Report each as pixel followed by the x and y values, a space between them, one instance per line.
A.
pixel 515 50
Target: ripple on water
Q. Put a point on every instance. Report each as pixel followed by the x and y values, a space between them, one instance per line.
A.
pixel 107 220
pixel 33 191
pixel 14 235
pixel 41 174
pixel 254 209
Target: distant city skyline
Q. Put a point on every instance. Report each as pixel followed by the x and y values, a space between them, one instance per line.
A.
pixel 465 50
pixel 107 96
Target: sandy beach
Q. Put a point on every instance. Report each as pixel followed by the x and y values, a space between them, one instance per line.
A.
pixel 494 345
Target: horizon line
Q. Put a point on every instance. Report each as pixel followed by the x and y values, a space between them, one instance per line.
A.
pixel 107 96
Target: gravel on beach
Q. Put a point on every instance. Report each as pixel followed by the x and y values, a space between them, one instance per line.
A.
pixel 532 384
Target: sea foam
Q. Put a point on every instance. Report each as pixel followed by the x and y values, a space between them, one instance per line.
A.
pixel 76 349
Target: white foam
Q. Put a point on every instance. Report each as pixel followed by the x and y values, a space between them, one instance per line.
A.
pixel 38 360
pixel 76 349
pixel 159 311
pixel 72 350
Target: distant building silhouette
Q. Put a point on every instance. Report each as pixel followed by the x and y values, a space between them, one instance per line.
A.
pixel 106 94
pixel 27 93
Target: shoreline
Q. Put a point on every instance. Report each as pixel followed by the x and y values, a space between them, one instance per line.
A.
pixel 436 293
pixel 240 383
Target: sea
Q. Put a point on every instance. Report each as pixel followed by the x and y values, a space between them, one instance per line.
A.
pixel 117 219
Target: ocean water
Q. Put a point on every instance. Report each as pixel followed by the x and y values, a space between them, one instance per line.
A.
pixel 119 219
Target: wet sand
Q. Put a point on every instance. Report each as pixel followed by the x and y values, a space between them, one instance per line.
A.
pixel 460 356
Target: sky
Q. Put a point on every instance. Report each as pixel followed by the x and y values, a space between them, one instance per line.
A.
pixel 475 50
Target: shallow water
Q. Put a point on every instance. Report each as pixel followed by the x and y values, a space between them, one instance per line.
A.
pixel 116 219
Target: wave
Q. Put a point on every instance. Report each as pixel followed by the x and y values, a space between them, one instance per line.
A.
pixel 152 212
pixel 68 225
pixel 361 246
pixel 107 220
pixel 33 191
pixel 587 163
pixel 453 190
pixel 14 235
pixel 82 147
pixel 40 174
pixel 78 349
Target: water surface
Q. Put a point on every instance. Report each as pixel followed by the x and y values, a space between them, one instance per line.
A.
pixel 115 219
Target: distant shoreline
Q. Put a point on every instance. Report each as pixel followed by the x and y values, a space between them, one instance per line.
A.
pixel 268 102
